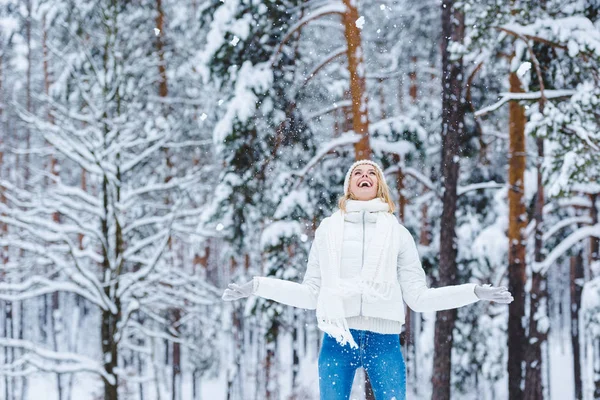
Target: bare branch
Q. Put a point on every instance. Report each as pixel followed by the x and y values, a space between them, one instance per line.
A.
pixel 506 97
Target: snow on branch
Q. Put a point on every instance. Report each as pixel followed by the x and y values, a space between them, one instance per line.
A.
pixel 151 264
pixel 506 97
pixel 251 81
pixel 400 147
pixel 126 167
pixel 53 361
pixel 39 286
pixel 87 284
pixel 576 34
pixel 584 219
pixel 565 245
pixel 162 335
pixel 130 196
pixel 482 185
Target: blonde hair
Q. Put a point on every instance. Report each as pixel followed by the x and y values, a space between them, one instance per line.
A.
pixel 383 192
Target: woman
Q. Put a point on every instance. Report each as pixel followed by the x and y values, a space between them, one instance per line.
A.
pixel 362 265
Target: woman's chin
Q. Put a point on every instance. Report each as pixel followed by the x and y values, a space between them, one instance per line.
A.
pixel 365 197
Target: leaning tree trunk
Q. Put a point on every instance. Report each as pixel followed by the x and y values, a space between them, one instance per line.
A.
pixel 452 132
pixel 517 341
pixel 538 318
pixel 356 69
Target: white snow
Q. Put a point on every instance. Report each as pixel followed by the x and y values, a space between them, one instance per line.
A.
pixel 360 22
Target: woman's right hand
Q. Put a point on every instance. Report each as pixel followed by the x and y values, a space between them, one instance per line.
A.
pixel 236 292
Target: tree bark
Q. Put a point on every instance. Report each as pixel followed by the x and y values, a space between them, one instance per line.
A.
pixel 176 392
pixel 28 102
pixel 452 133
pixel 412 75
pixel 538 318
pixel 576 287
pixel 517 340
pixel 162 68
pixel 360 116
pixel 272 385
pixel 594 241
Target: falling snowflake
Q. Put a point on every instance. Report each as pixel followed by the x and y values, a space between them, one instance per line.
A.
pixel 235 41
pixel 203 116
pixel 360 22
pixel 156 31
pixel 523 68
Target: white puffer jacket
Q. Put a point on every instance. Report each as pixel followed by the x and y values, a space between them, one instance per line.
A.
pixel 382 316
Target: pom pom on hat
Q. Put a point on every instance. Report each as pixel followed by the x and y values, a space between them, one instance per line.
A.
pixel 356 164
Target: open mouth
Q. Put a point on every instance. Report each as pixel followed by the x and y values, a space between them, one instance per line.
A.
pixel 365 184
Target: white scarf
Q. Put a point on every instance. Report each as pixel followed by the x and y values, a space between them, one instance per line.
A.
pixel 378 275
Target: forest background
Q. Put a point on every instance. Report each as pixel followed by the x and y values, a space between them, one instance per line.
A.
pixel 152 151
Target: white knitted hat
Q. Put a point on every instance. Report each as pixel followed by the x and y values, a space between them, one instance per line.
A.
pixel 356 164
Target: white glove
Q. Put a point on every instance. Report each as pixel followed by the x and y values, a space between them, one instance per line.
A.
pixel 497 294
pixel 236 291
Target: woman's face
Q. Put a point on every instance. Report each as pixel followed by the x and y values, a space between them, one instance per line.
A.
pixel 363 182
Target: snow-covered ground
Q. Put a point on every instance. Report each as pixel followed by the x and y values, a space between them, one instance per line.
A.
pixel 89 387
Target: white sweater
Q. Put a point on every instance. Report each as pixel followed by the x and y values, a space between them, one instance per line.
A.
pixel 382 316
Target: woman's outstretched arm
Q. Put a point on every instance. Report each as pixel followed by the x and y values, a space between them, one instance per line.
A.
pixel 413 282
pixel 301 295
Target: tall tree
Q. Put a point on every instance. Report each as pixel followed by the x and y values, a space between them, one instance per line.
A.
pixel 452 137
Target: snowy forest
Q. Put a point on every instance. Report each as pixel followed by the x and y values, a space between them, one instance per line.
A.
pixel 153 151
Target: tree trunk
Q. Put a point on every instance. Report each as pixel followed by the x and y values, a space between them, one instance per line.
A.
pixel 28 102
pixel 109 350
pixel 596 374
pixel 9 352
pixel 412 75
pixel 162 68
pixel 594 241
pixel 360 116
pixel 176 367
pixel 517 340
pixel 452 132
pixel 295 352
pixel 576 287
pixel 538 318
pixel 108 323
pixel 400 187
pixel 271 377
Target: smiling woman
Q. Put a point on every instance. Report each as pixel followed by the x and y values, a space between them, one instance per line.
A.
pixel 365 181
pixel 362 267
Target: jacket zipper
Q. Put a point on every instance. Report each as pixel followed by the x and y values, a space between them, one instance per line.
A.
pixel 362 263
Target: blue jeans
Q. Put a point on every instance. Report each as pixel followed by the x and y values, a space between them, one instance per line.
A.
pixel 379 354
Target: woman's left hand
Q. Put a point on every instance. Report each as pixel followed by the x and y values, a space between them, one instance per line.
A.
pixel 490 293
